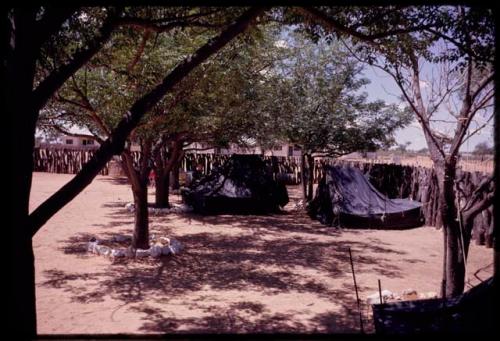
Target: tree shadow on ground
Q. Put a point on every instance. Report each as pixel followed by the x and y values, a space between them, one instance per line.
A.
pixel 225 262
pixel 245 317
pixel 269 260
pixel 121 180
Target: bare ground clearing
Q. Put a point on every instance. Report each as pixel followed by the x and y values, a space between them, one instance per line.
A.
pixel 276 273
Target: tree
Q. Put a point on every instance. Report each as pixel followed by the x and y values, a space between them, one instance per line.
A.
pixel 403 147
pixel 424 151
pixel 320 107
pixel 483 148
pixel 458 89
pixel 90 100
pixel 27 30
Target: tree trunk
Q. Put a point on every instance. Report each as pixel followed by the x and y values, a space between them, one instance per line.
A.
pixel 139 182
pixel 310 177
pixel 140 238
pixel 454 265
pixel 21 273
pixel 162 189
pixel 18 70
pixel 303 176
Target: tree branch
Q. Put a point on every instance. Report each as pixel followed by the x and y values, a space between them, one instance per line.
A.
pixel 472 212
pixel 56 79
pixel 139 52
pixel 483 187
pixel 332 24
pixel 457 44
pixel 151 27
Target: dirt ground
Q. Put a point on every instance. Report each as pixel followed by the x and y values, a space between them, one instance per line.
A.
pixel 277 273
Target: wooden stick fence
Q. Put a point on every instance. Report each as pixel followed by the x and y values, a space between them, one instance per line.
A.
pixel 395 181
pixel 62 160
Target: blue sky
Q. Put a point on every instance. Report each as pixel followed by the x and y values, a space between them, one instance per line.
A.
pixel 383 87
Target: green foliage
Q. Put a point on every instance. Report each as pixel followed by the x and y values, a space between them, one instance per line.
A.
pixel 212 104
pixel 315 101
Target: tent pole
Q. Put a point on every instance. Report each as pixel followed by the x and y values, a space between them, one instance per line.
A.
pixel 357 296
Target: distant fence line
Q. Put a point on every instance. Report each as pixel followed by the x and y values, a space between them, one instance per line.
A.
pixel 483 164
pixel 63 160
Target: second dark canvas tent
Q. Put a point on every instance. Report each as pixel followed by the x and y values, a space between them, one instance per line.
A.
pixel 344 197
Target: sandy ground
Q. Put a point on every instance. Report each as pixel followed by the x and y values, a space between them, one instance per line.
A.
pixel 277 273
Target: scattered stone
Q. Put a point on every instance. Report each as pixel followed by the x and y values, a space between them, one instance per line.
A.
pixel 118 253
pixel 130 252
pixel 160 246
pixel 427 295
pixel 165 250
pixel 375 297
pixel 164 241
pixel 175 246
pixel 103 250
pixel 91 246
pixel 156 250
pixel 431 294
pixel 409 294
pixel 183 208
pixel 406 295
pixel 141 253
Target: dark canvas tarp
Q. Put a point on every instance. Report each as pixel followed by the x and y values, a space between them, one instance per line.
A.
pixel 344 197
pixel 244 184
pixel 470 312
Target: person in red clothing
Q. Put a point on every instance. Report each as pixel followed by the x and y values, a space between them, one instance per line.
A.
pixel 152 178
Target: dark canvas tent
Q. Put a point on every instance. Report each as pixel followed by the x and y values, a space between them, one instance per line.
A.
pixel 344 197
pixel 244 184
pixel 473 311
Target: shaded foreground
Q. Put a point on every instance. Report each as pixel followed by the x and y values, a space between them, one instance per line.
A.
pixel 275 273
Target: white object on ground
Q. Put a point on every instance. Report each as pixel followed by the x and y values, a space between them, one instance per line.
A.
pixel 91 246
pixel 375 297
pixel 141 253
pixel 103 250
pixel 175 246
pixel 118 253
pixel 409 294
pixel 427 295
pixel 130 206
pixel 183 208
pixel 164 241
pixel 156 250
